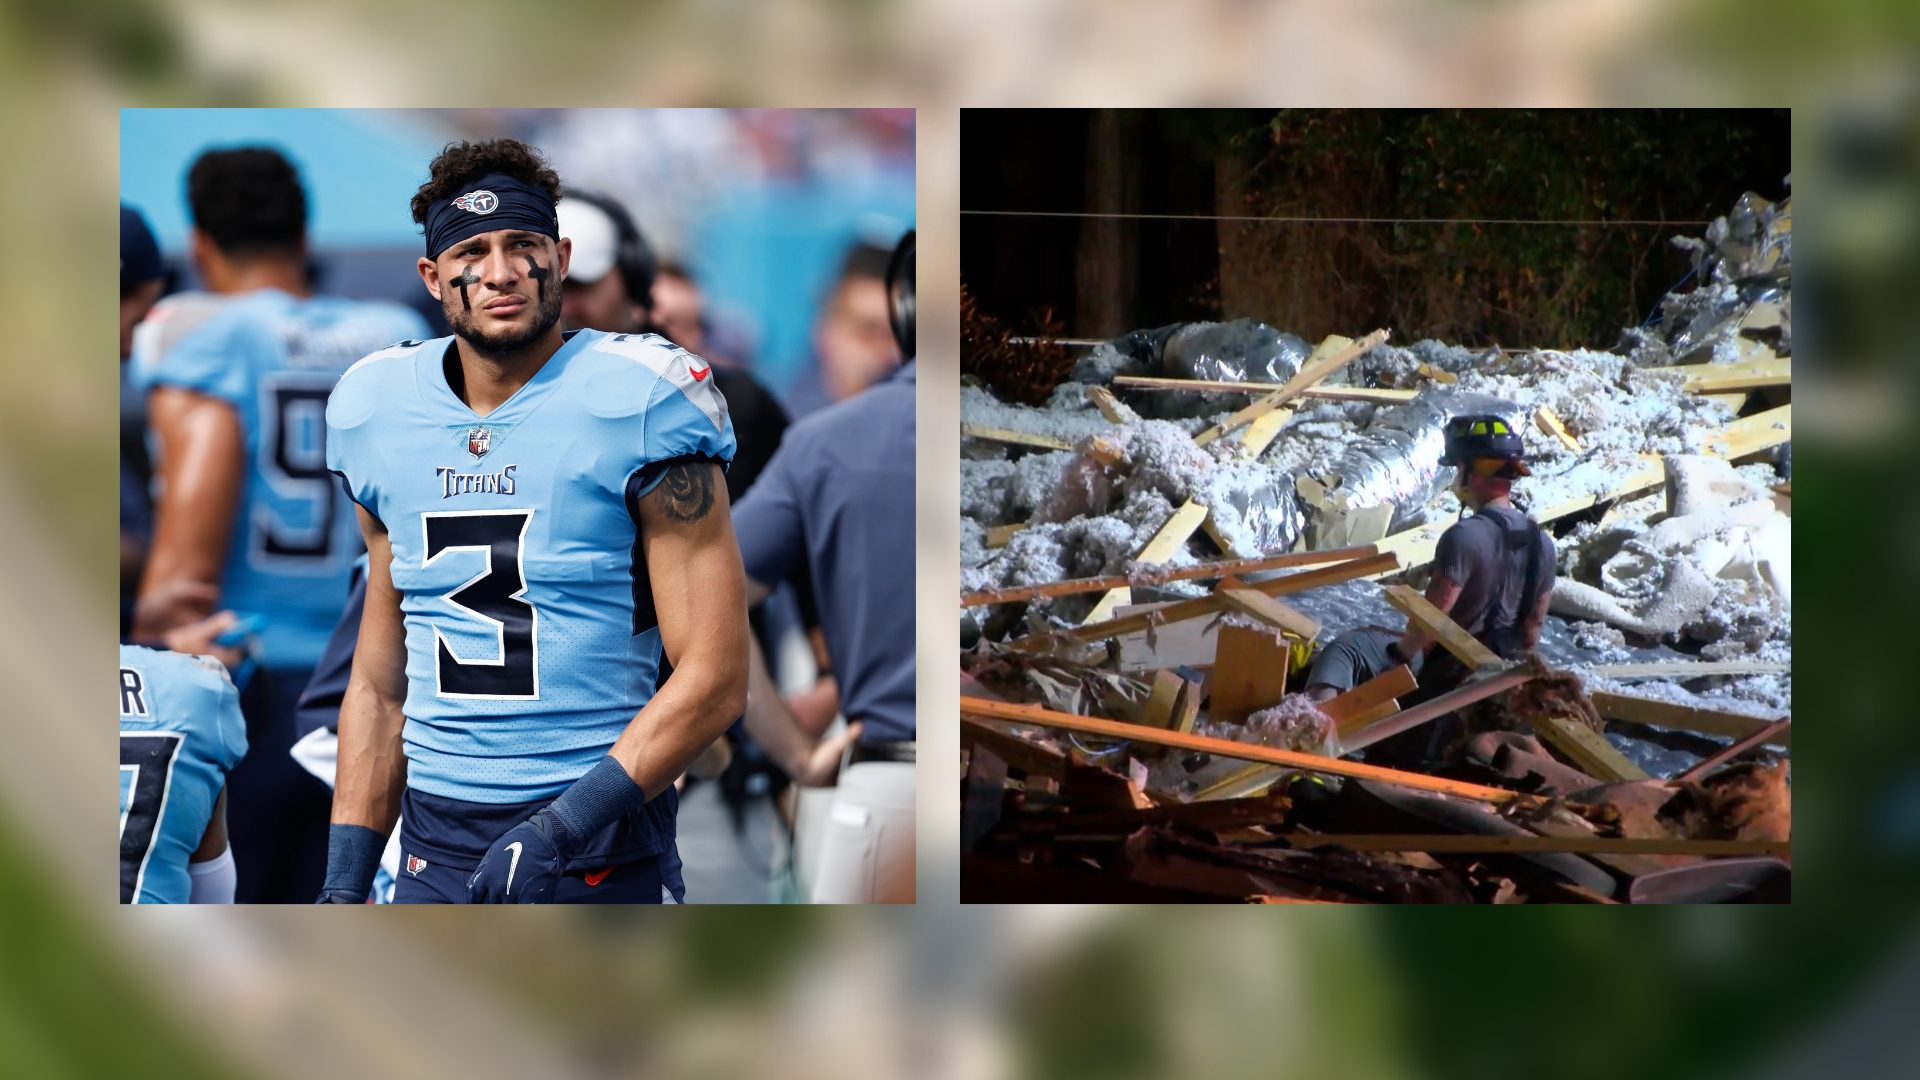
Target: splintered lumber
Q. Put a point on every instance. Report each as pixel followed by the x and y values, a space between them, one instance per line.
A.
pixel 1241 783
pixel 1265 608
pixel 1375 394
pixel 1349 710
pixel 1018 438
pixel 1162 699
pixel 1752 434
pixel 1311 373
pixel 1550 422
pixel 1029 757
pixel 1207 605
pixel 1408 719
pixel 1688 669
pixel 1110 406
pixel 1744 375
pixel 1087 725
pixel 1262 431
pixel 1249 671
pixel 1187 710
pixel 1672 714
pixel 1172 536
pixel 1218 814
pixel 1451 635
pixel 1734 751
pixel 998 535
pixel 1587 749
pixel 1145 577
pixel 1469 844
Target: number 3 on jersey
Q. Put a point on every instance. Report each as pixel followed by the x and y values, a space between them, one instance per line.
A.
pixel 495 597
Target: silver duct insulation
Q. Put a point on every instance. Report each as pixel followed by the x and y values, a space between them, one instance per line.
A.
pixel 1243 350
pixel 1393 470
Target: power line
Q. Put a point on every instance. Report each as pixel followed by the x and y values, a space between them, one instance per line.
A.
pixel 1326 220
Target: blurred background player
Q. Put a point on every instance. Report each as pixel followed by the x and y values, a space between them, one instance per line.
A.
pixel 853 343
pixel 249 517
pixel 550 549
pixel 181 733
pixel 838 497
pixel 142 277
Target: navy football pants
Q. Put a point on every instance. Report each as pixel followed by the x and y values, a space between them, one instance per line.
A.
pixel 643 881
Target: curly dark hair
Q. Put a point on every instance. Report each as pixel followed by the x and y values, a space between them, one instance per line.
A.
pixel 462 163
pixel 248 199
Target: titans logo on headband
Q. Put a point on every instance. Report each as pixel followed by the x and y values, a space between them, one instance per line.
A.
pixel 479 202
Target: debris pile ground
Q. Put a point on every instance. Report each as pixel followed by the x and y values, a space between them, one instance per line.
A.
pixel 1150 558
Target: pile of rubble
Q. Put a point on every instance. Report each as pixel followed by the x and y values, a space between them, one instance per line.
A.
pixel 1124 549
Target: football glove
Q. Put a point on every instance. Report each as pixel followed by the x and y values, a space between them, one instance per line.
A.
pixel 524 866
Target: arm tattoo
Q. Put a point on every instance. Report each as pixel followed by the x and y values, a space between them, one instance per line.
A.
pixel 686 491
pixel 538 273
pixel 467 277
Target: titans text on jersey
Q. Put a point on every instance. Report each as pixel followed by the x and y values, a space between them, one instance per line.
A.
pixel 531 638
pixel 180 733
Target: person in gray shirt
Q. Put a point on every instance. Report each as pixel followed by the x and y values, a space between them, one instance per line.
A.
pixel 1492 574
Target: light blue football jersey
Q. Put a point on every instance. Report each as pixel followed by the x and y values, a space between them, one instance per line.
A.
pixel 180 733
pixel 275 357
pixel 531 639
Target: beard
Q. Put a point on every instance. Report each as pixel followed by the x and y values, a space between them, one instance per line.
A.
pixel 502 345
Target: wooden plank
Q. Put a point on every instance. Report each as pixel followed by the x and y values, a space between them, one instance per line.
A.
pixel 1241 783
pixel 1310 374
pixel 1212 602
pixel 1105 451
pixel 1188 709
pixel 1466 844
pixel 1265 608
pixel 1147 577
pixel 1438 375
pixel 1744 375
pixel 998 535
pixel 1018 438
pixel 1378 395
pixel 1427 711
pixel 1771 731
pixel 1030 757
pixel 1752 434
pixel 1688 669
pixel 1110 406
pixel 1673 714
pixel 1161 700
pixel 1249 671
pixel 1263 430
pixel 1347 708
pixel 1550 422
pixel 1451 636
pixel 1087 725
pixel 1589 751
pixel 1166 543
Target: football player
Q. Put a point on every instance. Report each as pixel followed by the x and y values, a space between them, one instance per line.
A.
pixel 555 621
pixel 180 734
pixel 249 518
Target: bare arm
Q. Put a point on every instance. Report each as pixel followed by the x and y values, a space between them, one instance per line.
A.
pixel 1441 593
pixel 204 454
pixel 781 734
pixel 685 525
pixel 1537 619
pixel 214 840
pixel 372 770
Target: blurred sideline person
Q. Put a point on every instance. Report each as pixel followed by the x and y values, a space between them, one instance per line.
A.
pixel 555 619
pixel 853 346
pixel 249 516
pixel 180 734
pixel 142 277
pixel 839 497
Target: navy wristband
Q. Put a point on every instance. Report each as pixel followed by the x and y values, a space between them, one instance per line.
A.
pixel 353 856
pixel 600 798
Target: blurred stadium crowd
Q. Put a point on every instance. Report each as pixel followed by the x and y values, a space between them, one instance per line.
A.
pixel 759 240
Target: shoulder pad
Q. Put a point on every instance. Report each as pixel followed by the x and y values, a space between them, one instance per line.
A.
pixel 691 375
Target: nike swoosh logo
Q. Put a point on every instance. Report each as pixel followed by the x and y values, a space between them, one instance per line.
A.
pixel 595 879
pixel 701 374
pixel 514 865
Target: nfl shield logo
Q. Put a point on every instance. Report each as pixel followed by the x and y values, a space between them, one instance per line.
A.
pixel 415 864
pixel 479 441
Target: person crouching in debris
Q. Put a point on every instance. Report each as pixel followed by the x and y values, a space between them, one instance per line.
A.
pixel 1492 574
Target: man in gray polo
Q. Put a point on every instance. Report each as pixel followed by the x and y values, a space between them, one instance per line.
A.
pixel 838 497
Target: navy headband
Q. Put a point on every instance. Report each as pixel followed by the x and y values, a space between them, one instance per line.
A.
pixel 493 202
